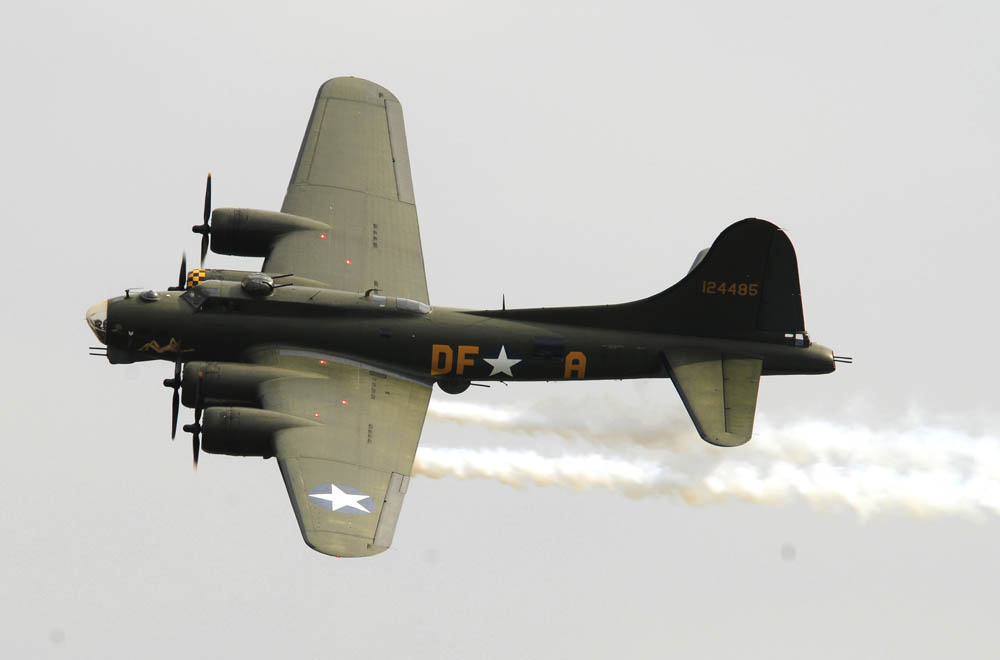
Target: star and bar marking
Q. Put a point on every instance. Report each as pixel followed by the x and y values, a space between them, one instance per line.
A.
pixel 501 363
pixel 447 360
pixel 341 499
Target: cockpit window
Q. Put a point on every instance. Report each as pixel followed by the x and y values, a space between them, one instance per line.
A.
pixel 408 305
pixel 194 297
pixel 197 295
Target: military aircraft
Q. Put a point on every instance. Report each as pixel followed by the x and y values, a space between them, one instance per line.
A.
pixel 325 358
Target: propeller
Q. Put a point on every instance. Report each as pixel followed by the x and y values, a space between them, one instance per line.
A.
pixel 182 276
pixel 175 404
pixel 204 229
pixel 195 429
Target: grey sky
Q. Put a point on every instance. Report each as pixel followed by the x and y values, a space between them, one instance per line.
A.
pixel 561 155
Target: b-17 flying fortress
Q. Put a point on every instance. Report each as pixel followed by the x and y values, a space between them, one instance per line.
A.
pixel 325 358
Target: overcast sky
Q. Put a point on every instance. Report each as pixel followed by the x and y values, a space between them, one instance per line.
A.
pixel 561 154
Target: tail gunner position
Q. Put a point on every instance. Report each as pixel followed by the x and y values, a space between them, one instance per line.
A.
pixel 325 359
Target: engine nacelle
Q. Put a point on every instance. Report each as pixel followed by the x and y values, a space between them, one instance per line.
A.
pixel 252 232
pixel 223 274
pixel 244 431
pixel 230 382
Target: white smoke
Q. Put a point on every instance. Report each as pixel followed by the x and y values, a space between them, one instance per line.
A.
pixel 922 470
pixel 605 422
pixel 517 468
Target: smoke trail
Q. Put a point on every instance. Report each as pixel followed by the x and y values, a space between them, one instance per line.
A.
pixel 607 422
pixel 922 470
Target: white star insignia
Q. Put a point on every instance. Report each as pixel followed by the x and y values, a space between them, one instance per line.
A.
pixel 501 364
pixel 338 499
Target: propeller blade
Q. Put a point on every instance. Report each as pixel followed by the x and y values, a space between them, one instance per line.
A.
pixel 196 427
pixel 195 444
pixel 195 431
pixel 175 408
pixel 204 228
pixel 175 384
pixel 204 248
pixel 208 198
pixel 182 276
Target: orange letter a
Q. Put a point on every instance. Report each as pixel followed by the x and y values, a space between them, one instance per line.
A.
pixel 576 365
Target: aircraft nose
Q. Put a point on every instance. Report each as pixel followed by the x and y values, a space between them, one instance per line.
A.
pixel 97 319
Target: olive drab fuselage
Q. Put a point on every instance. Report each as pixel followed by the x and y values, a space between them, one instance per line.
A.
pixel 219 321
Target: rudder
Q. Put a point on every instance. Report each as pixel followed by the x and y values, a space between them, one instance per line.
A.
pixel 745 286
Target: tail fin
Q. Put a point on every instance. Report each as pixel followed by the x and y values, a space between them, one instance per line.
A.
pixel 746 285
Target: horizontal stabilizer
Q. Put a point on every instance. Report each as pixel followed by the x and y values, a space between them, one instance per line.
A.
pixel 719 392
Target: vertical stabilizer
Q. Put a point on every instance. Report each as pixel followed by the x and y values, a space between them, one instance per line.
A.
pixel 745 286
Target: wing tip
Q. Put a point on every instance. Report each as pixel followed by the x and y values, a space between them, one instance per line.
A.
pixel 724 439
pixel 355 89
pixel 339 545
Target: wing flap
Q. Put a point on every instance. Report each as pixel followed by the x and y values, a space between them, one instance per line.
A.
pixel 719 392
pixel 390 510
pixel 400 154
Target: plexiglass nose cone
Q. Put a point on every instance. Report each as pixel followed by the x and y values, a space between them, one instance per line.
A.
pixel 97 319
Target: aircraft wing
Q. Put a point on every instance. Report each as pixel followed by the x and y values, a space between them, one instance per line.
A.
pixel 353 173
pixel 719 392
pixel 347 475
